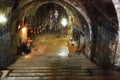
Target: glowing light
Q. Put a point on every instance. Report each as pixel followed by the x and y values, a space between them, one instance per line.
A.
pixel 24 29
pixel 63 54
pixel 64 22
pixel 19 27
pixel 56 14
pixel 3 19
pixel 24 34
pixel 27 56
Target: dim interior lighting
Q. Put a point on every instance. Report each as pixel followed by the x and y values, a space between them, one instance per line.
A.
pixel 64 22
pixel 3 19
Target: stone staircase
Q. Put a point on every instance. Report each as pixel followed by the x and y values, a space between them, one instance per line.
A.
pixel 47 62
pixel 36 67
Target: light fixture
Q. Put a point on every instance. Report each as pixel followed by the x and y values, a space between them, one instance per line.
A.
pixel 63 54
pixel 3 19
pixel 23 33
pixel 56 14
pixel 24 29
pixel 19 27
pixel 64 22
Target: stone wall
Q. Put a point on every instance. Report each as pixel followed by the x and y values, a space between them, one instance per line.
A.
pixel 5 39
pixel 105 48
pixel 117 60
pixel 105 33
pixel 5 51
pixel 105 36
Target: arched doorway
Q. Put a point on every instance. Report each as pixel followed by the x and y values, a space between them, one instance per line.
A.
pixel 102 29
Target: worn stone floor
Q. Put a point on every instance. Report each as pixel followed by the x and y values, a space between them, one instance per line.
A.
pixel 49 61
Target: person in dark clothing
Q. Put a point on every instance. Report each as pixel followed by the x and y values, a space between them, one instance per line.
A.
pixel 25 48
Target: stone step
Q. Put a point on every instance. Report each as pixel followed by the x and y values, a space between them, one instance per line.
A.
pixel 47 74
pixel 85 62
pixel 39 61
pixel 39 56
pixel 49 61
pixel 54 67
pixel 63 78
pixel 57 61
pixel 65 59
pixel 45 71
pixel 48 65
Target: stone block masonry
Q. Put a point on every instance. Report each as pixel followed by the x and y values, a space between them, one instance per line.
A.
pixel 5 51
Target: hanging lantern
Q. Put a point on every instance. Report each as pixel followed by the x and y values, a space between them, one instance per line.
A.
pixel 56 14
pixel 3 19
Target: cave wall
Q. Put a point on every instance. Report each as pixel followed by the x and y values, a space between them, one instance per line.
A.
pixel 105 35
pixel 117 60
pixel 6 56
pixel 104 17
pixel 105 48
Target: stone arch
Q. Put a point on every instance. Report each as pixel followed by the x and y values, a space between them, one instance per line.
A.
pixel 92 21
pixel 27 7
pixel 32 3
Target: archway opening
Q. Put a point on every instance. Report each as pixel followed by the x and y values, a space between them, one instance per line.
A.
pixel 99 28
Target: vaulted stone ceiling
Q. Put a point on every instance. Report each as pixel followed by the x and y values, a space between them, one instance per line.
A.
pixel 23 2
pixel 83 3
pixel 7 3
